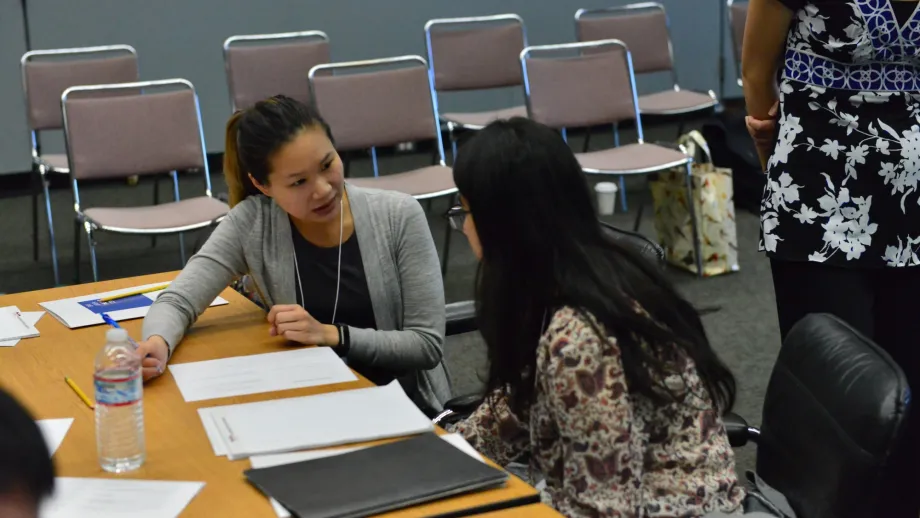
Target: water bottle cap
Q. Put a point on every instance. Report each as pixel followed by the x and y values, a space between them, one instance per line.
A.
pixel 116 335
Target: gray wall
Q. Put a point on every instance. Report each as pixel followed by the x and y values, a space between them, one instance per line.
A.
pixel 182 38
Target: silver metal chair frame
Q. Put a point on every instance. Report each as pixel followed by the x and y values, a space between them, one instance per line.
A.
pixel 642 6
pixel 38 164
pixel 469 20
pixel 687 163
pixel 279 36
pixel 89 226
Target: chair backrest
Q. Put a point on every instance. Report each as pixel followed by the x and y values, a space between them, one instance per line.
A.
pixel 643 27
pixel 833 410
pixel 379 107
pixel 47 73
pixel 475 53
pixel 580 91
pixel 136 134
pixel 259 66
pixel 737 17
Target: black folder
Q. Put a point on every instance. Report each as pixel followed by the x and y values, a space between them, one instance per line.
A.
pixel 377 479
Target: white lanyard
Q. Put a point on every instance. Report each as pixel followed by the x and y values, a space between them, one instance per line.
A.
pixel 338 276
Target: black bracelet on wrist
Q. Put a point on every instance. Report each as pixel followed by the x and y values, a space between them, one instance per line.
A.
pixel 344 340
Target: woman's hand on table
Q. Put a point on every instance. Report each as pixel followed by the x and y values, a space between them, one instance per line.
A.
pixel 297 325
pixel 153 352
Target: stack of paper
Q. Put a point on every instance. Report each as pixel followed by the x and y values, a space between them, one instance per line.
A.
pixel 13 326
pixel 87 310
pixel 54 431
pixel 114 498
pixel 279 459
pixel 260 373
pixel 308 422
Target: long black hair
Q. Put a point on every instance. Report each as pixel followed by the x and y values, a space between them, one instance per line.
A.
pixel 543 248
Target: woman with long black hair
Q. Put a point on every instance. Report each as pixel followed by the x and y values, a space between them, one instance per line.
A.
pixel 599 369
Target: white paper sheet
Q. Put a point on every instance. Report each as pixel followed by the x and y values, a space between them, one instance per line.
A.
pixel 12 329
pixel 54 431
pixel 118 498
pixel 70 313
pixel 260 373
pixel 31 318
pixel 277 459
pixel 308 422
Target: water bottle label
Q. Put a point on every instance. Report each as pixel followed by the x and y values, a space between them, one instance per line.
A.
pixel 118 391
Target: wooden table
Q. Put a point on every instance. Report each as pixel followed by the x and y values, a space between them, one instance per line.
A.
pixel 524 511
pixel 177 446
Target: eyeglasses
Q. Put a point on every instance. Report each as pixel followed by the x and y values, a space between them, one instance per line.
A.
pixel 457 217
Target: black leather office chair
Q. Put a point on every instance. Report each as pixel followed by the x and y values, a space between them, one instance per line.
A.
pixel 832 415
pixel 461 319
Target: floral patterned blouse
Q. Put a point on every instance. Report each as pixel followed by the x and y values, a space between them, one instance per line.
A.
pixel 603 451
pixel 842 179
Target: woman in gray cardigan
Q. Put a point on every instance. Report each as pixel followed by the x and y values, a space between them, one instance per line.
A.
pixel 339 266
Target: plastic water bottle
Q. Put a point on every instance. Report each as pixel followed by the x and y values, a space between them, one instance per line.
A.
pixel 119 405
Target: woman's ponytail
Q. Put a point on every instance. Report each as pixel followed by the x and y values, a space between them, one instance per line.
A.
pixel 239 185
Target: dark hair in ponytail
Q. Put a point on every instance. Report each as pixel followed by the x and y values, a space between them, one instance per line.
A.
pixel 255 133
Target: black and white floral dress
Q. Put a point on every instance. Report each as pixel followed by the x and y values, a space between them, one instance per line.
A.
pixel 842 184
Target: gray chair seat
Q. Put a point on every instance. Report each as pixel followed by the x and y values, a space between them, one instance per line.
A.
pixel 671 102
pixel 427 182
pixel 631 158
pixel 168 217
pixel 56 162
pixel 479 120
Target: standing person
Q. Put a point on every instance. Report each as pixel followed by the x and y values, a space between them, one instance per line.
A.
pixel 340 266
pixel 599 370
pixel 840 141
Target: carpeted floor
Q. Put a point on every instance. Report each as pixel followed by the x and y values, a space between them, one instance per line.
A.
pixel 743 330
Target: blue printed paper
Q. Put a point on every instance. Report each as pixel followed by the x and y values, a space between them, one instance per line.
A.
pixel 132 302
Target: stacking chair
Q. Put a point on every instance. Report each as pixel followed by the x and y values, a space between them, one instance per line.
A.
pixel 141 128
pixel 737 17
pixel 262 65
pixel 45 76
pixel 475 53
pixel 372 104
pixel 592 89
pixel 644 28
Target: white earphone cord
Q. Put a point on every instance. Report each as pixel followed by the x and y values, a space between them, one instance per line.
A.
pixel 338 275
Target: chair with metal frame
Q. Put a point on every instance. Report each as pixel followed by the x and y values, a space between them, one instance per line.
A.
pixel 737 17
pixel 138 128
pixel 45 76
pixel 259 66
pixel 367 109
pixel 645 29
pixel 475 53
pixel 592 89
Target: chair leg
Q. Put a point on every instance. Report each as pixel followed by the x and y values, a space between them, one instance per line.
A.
pixel 694 223
pixel 182 250
pixel 453 142
pixel 52 242
pixel 35 178
pixel 92 251
pixel 76 249
pixel 622 182
pixel 638 221
pixel 680 126
pixel 584 148
pixel 446 253
pixel 156 201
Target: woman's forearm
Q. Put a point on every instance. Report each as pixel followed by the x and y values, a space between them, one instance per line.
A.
pixel 760 93
pixel 764 40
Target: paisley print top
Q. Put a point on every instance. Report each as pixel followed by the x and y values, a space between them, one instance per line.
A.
pixel 603 451
pixel 842 183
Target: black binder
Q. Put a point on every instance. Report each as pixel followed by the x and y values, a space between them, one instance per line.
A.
pixel 377 479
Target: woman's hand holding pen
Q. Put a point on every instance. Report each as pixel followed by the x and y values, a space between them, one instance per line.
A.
pixel 297 325
pixel 154 352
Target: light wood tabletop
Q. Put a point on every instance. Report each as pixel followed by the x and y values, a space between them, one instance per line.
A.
pixel 177 446
pixel 524 511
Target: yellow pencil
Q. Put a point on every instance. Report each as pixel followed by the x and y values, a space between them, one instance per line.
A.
pixel 79 393
pixel 131 293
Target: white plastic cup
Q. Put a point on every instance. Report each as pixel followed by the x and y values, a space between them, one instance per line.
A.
pixel 606 197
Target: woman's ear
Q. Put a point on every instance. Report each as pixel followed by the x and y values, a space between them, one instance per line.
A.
pixel 262 188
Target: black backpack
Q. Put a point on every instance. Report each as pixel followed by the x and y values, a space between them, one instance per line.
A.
pixel 731 146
